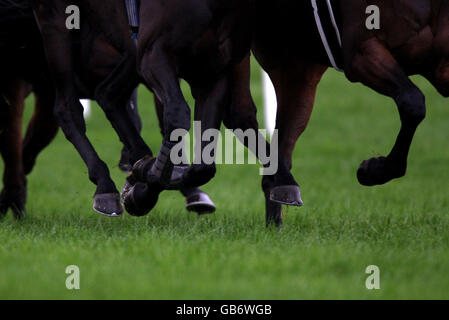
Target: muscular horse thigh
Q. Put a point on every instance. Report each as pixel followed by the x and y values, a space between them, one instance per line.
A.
pixel 442 78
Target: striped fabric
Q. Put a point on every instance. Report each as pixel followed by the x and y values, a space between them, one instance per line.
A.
pixel 133 13
pixel 132 9
pixel 329 31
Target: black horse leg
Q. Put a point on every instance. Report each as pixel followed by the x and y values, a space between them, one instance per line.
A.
pixel 376 68
pixel 13 194
pixel 211 101
pixel 196 200
pixel 3 113
pixel 158 68
pixel 68 110
pixel 125 162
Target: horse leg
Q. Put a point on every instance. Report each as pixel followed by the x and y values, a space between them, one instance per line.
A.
pixel 14 181
pixel 42 128
pixel 125 160
pixel 158 68
pixel 113 95
pixel 196 199
pixel 4 112
pixel 295 87
pixel 68 110
pixel 440 77
pixel 374 66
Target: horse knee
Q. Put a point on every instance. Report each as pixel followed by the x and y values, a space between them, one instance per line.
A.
pixel 69 118
pixel 412 106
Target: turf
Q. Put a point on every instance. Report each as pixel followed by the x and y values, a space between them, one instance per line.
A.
pixel 321 252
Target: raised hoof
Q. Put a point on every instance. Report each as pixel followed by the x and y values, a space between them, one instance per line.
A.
pixel 18 213
pixel 200 203
pixel 378 171
pixel 108 204
pixel 289 195
pixel 140 199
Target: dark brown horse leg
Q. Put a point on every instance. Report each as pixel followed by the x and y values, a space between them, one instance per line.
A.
pixel 57 41
pixel 295 90
pixel 158 68
pixel 125 160
pixel 42 128
pixel 375 67
pixel 4 113
pixel 14 182
pixel 211 100
pixel 196 199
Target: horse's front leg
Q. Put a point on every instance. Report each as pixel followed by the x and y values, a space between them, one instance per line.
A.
pixel 43 126
pixel 375 67
pixel 68 110
pixel 295 89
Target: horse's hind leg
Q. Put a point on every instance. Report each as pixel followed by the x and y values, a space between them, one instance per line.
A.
pixel 42 128
pixel 158 68
pixel 295 86
pixel 13 194
pixel 374 66
pixel 196 199
pixel 440 77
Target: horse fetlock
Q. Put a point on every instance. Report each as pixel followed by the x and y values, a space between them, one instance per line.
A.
pixel 378 171
pixel 108 204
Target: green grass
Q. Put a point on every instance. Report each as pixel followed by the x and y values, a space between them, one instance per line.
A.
pixel 321 252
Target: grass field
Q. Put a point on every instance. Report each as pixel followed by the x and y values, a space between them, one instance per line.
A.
pixel 321 252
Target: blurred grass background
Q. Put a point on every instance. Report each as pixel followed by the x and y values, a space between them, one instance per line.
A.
pixel 321 252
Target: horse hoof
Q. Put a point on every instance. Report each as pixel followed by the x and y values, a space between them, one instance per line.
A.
pixel 140 199
pixel 378 171
pixel 108 204
pixel 200 203
pixel 15 200
pixel 289 195
pixel 18 213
